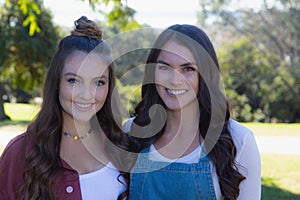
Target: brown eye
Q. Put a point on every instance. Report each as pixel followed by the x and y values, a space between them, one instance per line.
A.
pixel 100 83
pixel 189 68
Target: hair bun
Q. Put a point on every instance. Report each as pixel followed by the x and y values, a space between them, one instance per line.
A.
pixel 87 28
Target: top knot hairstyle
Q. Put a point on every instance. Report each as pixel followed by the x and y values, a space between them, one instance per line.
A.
pixel 43 162
pixel 87 37
pixel 86 27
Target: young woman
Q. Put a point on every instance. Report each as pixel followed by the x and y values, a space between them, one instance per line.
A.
pixel 191 148
pixel 66 152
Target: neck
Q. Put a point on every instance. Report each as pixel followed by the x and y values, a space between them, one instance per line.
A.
pixel 184 119
pixel 75 127
pixel 86 154
pixel 181 135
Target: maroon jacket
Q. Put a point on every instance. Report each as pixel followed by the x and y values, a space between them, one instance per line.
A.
pixel 12 160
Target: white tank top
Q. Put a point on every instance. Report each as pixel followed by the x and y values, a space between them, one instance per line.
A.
pixel 102 184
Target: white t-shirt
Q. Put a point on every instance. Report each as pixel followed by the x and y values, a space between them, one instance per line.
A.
pixel 102 184
pixel 247 156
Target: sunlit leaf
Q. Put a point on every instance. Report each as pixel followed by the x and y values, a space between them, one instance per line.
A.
pixel 36 8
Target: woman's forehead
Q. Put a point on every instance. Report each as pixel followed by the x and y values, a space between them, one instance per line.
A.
pixel 172 51
pixel 82 63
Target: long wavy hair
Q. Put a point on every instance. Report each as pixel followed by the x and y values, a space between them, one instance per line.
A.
pixel 213 105
pixel 43 162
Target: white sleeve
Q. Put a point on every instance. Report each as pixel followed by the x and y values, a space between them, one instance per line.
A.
pixel 127 125
pixel 249 159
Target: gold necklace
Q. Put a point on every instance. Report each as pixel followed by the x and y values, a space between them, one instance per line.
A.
pixel 76 137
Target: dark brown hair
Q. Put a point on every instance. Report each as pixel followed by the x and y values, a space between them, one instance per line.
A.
pixel 213 105
pixel 43 161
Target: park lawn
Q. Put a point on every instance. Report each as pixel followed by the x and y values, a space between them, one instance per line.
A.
pixel 21 115
pixel 21 112
pixel 272 129
pixel 280 177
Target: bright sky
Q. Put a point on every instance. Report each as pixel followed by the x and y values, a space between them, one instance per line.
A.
pixel 156 13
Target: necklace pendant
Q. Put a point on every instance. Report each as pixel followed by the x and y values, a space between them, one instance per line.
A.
pixel 76 137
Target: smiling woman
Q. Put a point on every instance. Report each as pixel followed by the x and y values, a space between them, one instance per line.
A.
pixel 189 145
pixel 84 86
pixel 176 76
pixel 66 151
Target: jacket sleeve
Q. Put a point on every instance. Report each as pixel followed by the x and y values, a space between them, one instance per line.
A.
pixel 251 169
pixel 11 168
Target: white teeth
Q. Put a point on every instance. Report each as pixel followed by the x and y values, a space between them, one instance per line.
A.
pixel 176 92
pixel 83 105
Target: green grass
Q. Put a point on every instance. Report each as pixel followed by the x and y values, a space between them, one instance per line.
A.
pixel 21 115
pixel 271 129
pixel 21 112
pixel 281 177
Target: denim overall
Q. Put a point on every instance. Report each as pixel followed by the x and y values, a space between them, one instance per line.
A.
pixel 175 181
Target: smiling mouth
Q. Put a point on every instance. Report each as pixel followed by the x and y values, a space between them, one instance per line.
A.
pixel 84 105
pixel 176 92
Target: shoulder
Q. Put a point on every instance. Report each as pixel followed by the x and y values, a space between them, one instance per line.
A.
pixel 12 164
pixel 242 136
pixel 238 131
pixel 18 144
pixel 248 159
pixel 16 150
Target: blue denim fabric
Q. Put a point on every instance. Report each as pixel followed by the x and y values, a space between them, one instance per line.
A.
pixel 175 181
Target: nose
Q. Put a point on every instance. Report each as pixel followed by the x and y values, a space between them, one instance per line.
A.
pixel 176 77
pixel 85 92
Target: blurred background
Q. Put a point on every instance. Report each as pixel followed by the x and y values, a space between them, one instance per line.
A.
pixel 257 42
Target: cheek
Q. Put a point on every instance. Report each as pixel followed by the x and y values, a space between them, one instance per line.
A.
pixel 161 77
pixel 193 81
pixel 159 89
pixel 65 92
pixel 101 94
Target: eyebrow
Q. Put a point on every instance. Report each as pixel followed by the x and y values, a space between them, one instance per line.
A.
pixel 73 74
pixel 182 65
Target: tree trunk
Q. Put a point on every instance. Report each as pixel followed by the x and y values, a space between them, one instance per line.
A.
pixel 3 116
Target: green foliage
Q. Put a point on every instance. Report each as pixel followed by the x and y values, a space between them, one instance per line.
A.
pixel 31 11
pixel 130 50
pixel 4 47
pixel 120 15
pixel 130 96
pixel 261 57
pixel 27 56
pixel 245 73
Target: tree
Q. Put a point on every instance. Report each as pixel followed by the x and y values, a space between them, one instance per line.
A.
pixel 130 50
pixel 246 75
pixel 3 56
pixel 120 15
pixel 274 31
pixel 31 39
pixel 27 57
pixel 30 10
